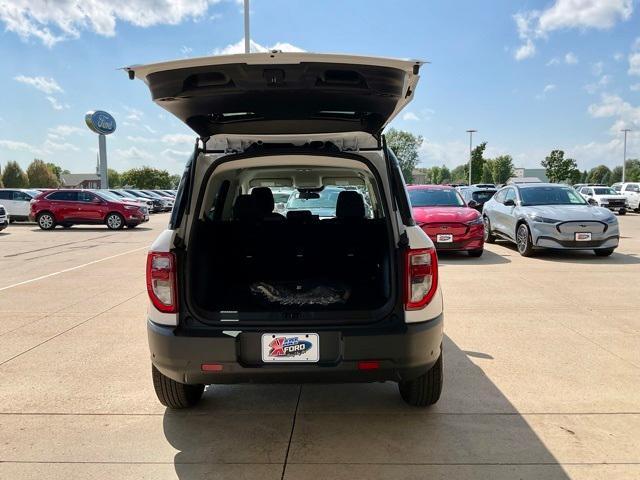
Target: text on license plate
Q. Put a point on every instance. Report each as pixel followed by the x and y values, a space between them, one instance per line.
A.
pixel 583 236
pixel 444 238
pixel 290 347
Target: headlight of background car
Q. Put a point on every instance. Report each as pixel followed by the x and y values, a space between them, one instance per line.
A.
pixel 476 221
pixel 539 219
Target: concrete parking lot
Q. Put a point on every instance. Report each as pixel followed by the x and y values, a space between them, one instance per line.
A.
pixel 542 375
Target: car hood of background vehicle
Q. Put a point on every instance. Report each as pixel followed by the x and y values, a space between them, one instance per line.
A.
pixel 444 214
pixel 569 212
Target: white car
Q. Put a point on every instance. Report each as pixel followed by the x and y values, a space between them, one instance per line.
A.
pixel 239 293
pixel 17 201
pixel 605 197
pixel 631 191
pixel 4 218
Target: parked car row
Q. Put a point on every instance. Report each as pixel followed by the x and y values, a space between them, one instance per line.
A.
pixel 116 208
pixel 533 216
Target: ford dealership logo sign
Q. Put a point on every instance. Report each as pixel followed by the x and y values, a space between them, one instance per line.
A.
pixel 100 122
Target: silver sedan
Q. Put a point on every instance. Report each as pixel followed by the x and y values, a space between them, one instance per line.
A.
pixel 545 215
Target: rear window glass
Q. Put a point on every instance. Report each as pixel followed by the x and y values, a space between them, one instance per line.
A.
pixel 435 198
pixel 483 196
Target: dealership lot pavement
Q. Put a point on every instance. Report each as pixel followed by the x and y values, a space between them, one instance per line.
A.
pixel 542 365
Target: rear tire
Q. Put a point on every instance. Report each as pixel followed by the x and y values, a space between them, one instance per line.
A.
pixel 603 252
pixel 523 240
pixel 622 212
pixel 173 394
pixel 475 253
pixel 488 237
pixel 424 390
pixel 46 221
pixel 114 221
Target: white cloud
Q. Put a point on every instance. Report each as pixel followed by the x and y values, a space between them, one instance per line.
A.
pixel 46 85
pixel 186 51
pixel 613 106
pixel 635 87
pixel 133 114
pixel 601 83
pixel 176 154
pixel 410 116
pixel 528 49
pixel 55 21
pixel 66 146
pixel 18 146
pixel 553 61
pixel 566 14
pixel 547 89
pixel 56 104
pixel 178 138
pixel 65 130
pixel 133 153
pixel 618 56
pixel 140 139
pixel 570 58
pixel 255 47
pixel 634 64
pixel 596 68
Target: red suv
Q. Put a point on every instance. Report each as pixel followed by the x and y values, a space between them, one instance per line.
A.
pixel 451 223
pixel 69 207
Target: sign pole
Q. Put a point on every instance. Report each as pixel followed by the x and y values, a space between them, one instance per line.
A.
pixel 102 149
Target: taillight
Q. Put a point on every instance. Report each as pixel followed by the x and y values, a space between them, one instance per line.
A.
pixel 161 281
pixel 422 277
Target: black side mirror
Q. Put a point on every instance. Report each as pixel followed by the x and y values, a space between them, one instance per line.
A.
pixel 509 203
pixel 472 204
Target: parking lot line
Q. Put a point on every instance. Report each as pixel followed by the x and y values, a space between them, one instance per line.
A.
pixel 73 268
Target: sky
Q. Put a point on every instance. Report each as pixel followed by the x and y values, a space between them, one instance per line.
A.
pixel 530 76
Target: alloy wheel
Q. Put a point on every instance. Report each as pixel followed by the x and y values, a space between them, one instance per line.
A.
pixel 46 221
pixel 487 227
pixel 114 222
pixel 522 238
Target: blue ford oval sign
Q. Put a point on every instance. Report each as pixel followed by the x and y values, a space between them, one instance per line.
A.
pixel 100 122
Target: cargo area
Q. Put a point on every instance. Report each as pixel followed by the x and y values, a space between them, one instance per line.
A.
pixel 324 245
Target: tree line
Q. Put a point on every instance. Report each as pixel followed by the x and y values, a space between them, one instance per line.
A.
pixel 498 170
pixel 40 174
pixel 483 170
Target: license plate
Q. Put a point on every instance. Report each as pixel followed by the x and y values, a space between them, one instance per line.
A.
pixel 583 236
pixel 290 347
pixel 444 238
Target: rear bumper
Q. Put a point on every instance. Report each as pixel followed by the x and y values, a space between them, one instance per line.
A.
pixel 402 355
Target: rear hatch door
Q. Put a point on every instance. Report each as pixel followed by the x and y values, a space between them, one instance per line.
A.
pixel 281 93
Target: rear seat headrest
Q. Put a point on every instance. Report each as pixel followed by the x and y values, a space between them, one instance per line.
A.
pixel 244 208
pixel 264 200
pixel 350 204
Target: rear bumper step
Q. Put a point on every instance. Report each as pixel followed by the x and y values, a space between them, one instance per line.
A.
pixel 401 356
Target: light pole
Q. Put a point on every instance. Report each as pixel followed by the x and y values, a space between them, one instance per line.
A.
pixel 624 155
pixel 247 35
pixel 470 132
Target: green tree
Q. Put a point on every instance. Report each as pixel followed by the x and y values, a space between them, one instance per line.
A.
pixel 146 178
pixel 477 163
pixel 175 181
pixel 40 175
pixel 598 174
pixel 405 145
pixel 502 167
pixel 558 168
pixel 487 173
pixel 1 184
pixel 574 177
pixel 113 178
pixel 14 177
pixel 446 174
pixel 460 174
pixel 583 177
pixel 632 170
pixel 616 175
pixel 56 169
